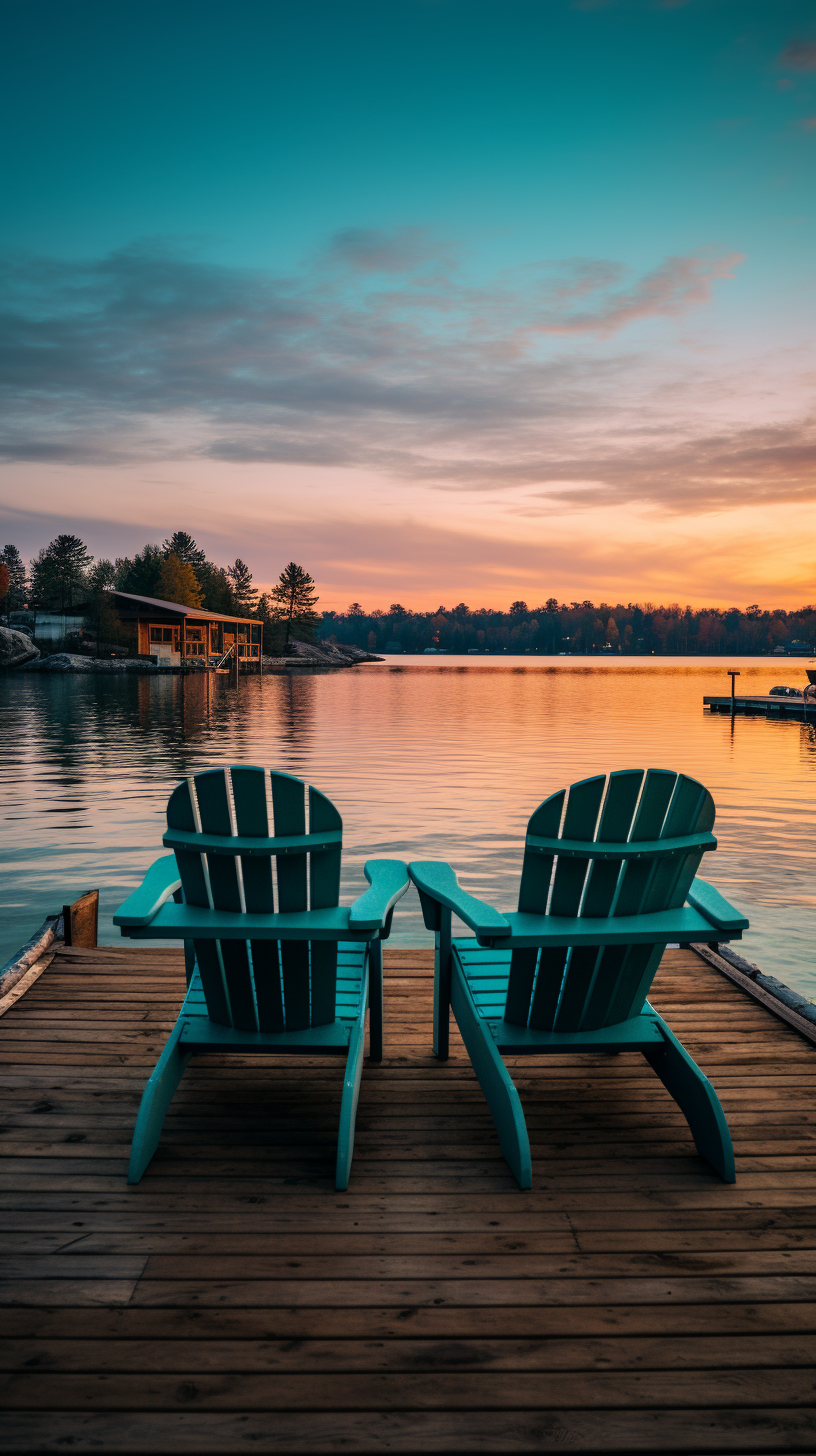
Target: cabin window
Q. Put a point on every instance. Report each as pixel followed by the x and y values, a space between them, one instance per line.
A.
pixel 256 635
pixel 161 634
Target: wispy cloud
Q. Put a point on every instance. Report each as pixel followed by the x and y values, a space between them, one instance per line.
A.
pixel 799 55
pixel 382 353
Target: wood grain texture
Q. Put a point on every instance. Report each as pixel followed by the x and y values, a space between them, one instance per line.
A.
pixel 234 1299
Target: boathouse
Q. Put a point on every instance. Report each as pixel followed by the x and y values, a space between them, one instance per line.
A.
pixel 174 633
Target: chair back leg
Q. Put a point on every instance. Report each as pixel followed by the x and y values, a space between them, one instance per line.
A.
pixel 158 1094
pixel 494 1080
pixel 696 1099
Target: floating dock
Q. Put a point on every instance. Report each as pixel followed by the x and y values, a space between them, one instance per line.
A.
pixel 769 707
pixel 234 1301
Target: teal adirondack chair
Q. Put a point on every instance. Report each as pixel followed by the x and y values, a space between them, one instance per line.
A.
pixel 608 868
pixel 273 963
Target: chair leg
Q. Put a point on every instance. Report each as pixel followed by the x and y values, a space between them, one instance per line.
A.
pixel 494 1080
pixel 442 986
pixel 696 1099
pixel 157 1096
pixel 351 1093
pixel 375 1001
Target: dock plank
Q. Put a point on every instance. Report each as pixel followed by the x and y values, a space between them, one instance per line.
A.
pixel 628 1302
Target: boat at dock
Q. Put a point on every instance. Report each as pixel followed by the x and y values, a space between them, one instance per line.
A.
pixel 779 703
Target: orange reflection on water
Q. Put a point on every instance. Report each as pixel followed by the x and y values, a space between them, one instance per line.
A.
pixel 426 758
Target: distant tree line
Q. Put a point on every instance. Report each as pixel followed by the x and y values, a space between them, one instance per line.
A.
pixel 553 627
pixel 65 578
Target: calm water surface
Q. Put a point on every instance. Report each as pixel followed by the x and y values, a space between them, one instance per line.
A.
pixel 442 759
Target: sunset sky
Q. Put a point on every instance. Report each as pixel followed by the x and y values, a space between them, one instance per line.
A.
pixel 447 300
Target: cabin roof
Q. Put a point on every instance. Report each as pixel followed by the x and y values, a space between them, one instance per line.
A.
pixel 202 614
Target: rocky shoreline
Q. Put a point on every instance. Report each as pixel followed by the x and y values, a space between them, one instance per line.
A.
pixel 18 651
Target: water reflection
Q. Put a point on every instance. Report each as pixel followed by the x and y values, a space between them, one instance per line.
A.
pixel 425 759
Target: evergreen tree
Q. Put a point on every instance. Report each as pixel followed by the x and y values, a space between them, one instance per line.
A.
pixel 102 575
pixel 295 601
pixel 5 580
pixel 140 574
pixel 244 593
pixel 216 589
pixel 178 582
pixel 15 596
pixel 182 545
pixel 59 574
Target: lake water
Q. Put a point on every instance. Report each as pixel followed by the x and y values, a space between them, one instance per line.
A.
pixel 442 758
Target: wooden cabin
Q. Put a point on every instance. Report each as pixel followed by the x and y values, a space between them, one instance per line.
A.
pixel 174 634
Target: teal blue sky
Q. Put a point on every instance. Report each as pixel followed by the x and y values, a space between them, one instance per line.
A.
pixel 484 268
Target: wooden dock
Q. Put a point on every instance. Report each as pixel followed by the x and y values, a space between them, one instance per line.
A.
pixel 233 1301
pixel 767 706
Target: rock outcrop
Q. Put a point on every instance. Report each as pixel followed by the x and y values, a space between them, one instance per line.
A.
pixel 330 654
pixel 16 648
pixel 74 662
pixel 298 654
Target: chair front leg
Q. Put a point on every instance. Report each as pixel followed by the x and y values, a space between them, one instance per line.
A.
pixel 375 1001
pixel 351 1092
pixel 442 985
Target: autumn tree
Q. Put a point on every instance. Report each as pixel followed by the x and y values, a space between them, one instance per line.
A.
pixel 178 582
pixel 295 601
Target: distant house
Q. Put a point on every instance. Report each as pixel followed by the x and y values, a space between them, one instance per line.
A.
pixel 175 633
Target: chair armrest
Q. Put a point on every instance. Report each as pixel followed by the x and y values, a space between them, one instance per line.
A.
pixel 389 881
pixel 715 907
pixel 438 885
pixel 158 886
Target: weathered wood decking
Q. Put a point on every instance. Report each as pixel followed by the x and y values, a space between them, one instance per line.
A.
pixel 234 1301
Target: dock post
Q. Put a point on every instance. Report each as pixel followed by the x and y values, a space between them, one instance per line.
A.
pixel 733 672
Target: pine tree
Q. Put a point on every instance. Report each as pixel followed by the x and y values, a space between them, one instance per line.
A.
pixel 182 545
pixel 140 574
pixel 178 582
pixel 16 592
pixel 245 594
pixel 59 574
pixel 102 575
pixel 295 601
pixel 216 589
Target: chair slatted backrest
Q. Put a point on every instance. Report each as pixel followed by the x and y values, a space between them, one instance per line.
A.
pixel 586 987
pixel 259 985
